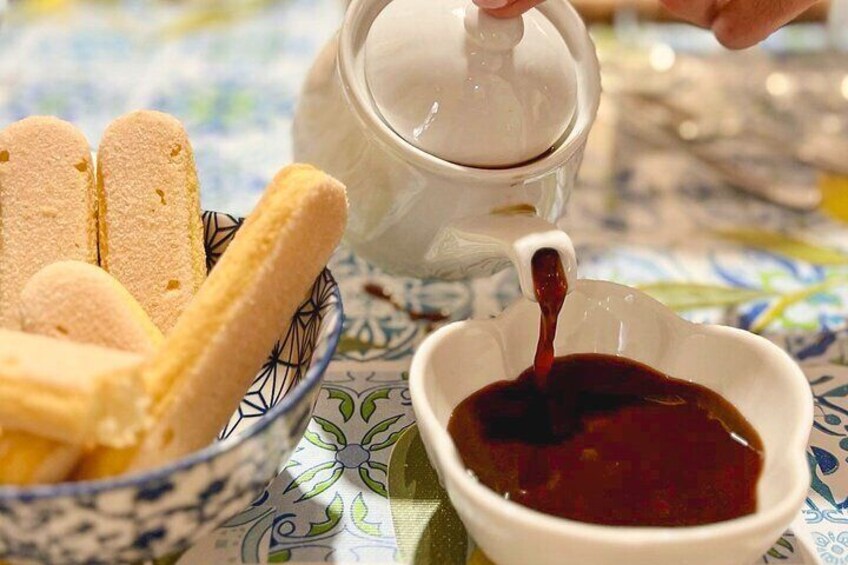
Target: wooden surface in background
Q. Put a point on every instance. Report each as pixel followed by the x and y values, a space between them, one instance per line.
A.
pixel 603 11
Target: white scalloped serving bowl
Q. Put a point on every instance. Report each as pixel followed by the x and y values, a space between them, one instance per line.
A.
pixel 756 376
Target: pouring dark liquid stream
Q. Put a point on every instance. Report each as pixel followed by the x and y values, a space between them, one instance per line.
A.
pixel 550 287
pixel 606 440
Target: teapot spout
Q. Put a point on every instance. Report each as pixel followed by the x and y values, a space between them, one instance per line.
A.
pixel 501 239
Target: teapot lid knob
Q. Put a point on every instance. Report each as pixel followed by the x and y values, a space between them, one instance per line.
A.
pixel 493 34
pixel 470 88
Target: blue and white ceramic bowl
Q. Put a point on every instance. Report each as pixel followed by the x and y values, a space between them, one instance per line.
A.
pixel 143 516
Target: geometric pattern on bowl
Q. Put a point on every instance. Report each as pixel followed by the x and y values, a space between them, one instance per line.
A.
pixel 148 515
pixel 289 360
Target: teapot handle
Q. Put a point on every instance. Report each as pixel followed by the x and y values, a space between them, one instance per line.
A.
pixel 493 238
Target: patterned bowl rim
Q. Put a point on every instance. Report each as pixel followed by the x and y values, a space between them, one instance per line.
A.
pixel 286 404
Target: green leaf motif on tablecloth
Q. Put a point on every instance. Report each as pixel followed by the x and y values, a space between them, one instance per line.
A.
pixel 379 466
pixel 379 428
pixel 316 440
pixel 309 474
pixel 369 405
pixel 345 401
pixel 781 550
pixel 782 304
pixel 204 17
pixel 281 556
pixel 427 527
pixel 360 517
pixel 332 429
pixel 388 442
pixel 323 485
pixel 787 246
pixel 688 296
pixel 333 512
pixel 370 481
pixel 168 559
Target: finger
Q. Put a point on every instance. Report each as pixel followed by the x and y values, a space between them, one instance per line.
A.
pixel 492 4
pixel 742 23
pixel 698 12
pixel 510 9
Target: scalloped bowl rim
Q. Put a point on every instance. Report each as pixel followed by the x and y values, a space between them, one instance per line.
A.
pixel 486 500
pixel 312 379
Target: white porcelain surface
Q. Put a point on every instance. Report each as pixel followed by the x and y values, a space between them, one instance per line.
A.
pixel 410 210
pixel 467 87
pixel 756 376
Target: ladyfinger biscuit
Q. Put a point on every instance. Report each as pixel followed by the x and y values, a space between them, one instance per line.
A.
pixel 73 393
pixel 209 359
pixel 83 303
pixel 151 233
pixel 33 460
pixel 48 204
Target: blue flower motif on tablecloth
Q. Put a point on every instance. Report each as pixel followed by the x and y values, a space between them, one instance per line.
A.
pixel 629 265
pixel 349 455
pixel 342 490
pixel 221 169
pixel 72 101
pixel 799 295
pixel 232 103
pixel 827 454
pixel 376 329
pixel 832 547
pixel 827 347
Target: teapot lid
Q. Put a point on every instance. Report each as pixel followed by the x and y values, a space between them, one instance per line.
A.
pixel 467 87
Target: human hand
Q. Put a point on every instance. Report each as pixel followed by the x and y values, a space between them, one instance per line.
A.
pixel 736 23
pixel 739 23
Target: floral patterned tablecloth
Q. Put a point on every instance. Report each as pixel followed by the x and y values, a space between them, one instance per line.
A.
pixel 359 487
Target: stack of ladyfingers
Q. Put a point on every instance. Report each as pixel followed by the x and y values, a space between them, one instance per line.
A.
pixel 117 355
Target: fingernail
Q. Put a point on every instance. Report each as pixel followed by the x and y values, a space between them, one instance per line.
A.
pixel 491 4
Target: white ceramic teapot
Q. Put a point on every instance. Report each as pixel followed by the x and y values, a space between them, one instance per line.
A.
pixel 458 135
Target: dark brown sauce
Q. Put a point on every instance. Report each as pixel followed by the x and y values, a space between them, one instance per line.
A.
pixel 380 293
pixel 632 447
pixel 550 288
pixel 606 440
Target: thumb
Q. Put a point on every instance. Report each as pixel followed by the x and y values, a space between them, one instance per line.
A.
pixel 743 23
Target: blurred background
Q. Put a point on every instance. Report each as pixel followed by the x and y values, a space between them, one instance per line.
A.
pixel 232 70
pixel 717 181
